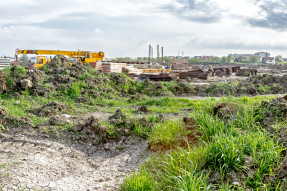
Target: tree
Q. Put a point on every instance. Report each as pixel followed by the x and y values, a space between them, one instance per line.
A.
pixel 215 59
pixel 278 58
pixel 24 58
pixel 253 59
pixel 194 60
pixel 223 59
pixel 229 59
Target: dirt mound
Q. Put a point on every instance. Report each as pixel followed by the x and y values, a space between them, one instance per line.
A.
pixel 59 61
pixel 142 109
pixel 255 85
pixel 280 175
pixel 12 122
pixel 60 119
pixel 225 110
pixel 51 108
pixel 91 129
pixel 268 112
pixel 118 115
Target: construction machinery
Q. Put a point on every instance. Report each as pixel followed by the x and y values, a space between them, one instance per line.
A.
pixel 80 56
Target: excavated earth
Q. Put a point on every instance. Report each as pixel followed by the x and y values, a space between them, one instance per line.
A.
pixel 33 161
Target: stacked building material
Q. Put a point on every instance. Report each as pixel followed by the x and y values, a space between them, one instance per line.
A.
pixel 180 61
pixel 108 67
pixel 200 74
pixel 235 68
pixel 246 72
pixel 4 63
pixel 220 72
pixel 159 77
pixel 179 67
pixel 96 65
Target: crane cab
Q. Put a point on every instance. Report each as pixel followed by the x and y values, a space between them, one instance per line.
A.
pixel 41 61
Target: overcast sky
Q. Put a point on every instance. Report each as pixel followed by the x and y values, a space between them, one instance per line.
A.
pixel 126 27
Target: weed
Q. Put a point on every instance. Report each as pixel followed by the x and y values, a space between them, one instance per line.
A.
pixel 140 181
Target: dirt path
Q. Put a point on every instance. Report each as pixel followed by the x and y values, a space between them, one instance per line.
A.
pixel 217 98
pixel 33 163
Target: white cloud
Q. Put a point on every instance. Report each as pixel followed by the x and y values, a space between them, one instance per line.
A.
pixel 98 31
pixel 127 27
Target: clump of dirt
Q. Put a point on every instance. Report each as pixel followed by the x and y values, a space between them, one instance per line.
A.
pixel 160 118
pixel 11 122
pixel 60 119
pixel 255 85
pixel 118 115
pixel 280 176
pixel 225 110
pixel 51 108
pixel 189 122
pixel 92 129
pixel 268 112
pixel 142 109
pixel 35 75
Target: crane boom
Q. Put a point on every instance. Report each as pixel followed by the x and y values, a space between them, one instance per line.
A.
pixel 82 56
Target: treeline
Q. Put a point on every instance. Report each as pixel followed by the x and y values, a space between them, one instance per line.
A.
pixel 168 60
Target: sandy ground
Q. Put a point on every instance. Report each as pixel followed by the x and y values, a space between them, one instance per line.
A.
pixel 31 162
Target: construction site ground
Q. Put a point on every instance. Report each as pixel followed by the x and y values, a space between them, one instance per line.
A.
pixel 68 127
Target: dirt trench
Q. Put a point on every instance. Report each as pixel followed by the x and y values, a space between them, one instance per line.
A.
pixel 36 163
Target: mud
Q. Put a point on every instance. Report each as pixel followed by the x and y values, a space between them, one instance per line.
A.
pixel 31 162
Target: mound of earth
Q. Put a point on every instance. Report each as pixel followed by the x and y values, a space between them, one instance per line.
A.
pixel 268 112
pixel 13 122
pixel 255 85
pixel 225 110
pixel 51 108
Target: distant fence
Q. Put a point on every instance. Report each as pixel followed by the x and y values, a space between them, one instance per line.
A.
pixel 4 62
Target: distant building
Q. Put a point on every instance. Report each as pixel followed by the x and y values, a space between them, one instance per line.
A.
pixel 204 58
pixel 179 61
pixel 241 57
pixel 269 60
pixel 263 54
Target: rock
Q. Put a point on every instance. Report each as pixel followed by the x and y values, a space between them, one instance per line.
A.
pixel 236 184
pixel 107 146
pixel 25 84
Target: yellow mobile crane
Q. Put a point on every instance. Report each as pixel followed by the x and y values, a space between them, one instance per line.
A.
pixel 81 56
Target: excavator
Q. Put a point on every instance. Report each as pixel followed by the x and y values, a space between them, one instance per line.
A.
pixel 80 56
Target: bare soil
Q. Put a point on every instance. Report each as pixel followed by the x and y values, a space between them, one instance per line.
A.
pixel 35 162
